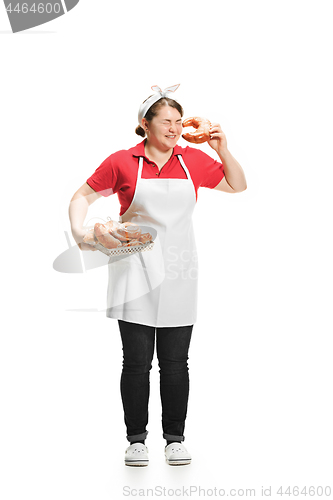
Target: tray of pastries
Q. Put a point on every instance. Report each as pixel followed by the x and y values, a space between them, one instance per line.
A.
pixel 115 238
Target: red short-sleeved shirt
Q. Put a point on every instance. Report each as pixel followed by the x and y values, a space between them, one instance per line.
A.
pixel 118 173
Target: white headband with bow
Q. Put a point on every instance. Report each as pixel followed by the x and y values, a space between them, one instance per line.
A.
pixel 154 98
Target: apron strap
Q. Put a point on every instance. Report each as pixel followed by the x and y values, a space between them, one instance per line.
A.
pixel 140 167
pixel 180 158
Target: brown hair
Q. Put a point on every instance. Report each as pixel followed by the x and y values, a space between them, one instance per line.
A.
pixel 164 101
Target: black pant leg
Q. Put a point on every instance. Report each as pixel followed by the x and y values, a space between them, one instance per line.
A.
pixel 138 351
pixel 172 346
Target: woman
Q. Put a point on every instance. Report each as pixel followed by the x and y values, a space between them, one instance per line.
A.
pixel 157 183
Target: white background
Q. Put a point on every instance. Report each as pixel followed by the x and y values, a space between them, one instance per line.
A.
pixel 260 407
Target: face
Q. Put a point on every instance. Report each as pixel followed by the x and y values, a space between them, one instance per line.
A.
pixel 165 128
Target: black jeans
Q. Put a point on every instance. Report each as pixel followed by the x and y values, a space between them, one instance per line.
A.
pixel 172 345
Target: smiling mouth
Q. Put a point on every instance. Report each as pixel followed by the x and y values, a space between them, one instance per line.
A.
pixel 170 136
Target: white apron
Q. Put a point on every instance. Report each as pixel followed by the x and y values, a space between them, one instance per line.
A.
pixel 158 287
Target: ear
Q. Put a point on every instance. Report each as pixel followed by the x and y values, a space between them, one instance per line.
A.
pixel 144 123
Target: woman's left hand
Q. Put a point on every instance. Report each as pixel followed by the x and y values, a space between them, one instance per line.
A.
pixel 218 140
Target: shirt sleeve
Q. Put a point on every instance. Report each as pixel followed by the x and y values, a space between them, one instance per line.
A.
pixel 105 180
pixel 211 171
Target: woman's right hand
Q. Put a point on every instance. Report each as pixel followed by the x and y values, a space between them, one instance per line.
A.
pixel 85 246
pixel 78 237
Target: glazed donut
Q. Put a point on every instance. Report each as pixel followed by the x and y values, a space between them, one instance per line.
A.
pixel 131 243
pixel 112 225
pixel 125 224
pixel 145 237
pixel 104 237
pixel 119 236
pixel 134 243
pixel 202 126
pixel 129 231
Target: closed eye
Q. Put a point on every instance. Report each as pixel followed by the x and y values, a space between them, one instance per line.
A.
pixel 169 121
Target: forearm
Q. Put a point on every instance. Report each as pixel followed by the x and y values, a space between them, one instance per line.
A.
pixel 77 211
pixel 234 173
